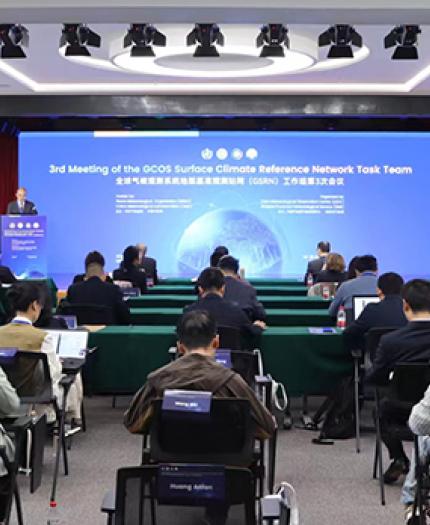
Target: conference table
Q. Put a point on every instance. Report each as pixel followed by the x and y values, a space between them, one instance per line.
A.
pixel 306 362
pixel 275 317
pixel 261 281
pixel 183 289
pixel 269 301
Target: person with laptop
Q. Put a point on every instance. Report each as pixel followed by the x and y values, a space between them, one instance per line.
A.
pixel 409 344
pixel 388 312
pixel 364 284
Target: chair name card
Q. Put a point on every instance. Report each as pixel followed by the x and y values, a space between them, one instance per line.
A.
pixel 187 401
pixel 7 353
pixel 190 483
pixel 322 330
pixel 223 357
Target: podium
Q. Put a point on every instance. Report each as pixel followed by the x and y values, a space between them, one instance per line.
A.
pixel 24 245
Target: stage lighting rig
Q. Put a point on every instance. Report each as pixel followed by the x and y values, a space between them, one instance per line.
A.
pixel 142 37
pixel 205 35
pixel 12 38
pixel 273 38
pixel 341 37
pixel 405 38
pixel 77 37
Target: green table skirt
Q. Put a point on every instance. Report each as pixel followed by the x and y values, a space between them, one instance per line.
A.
pixel 275 317
pixel 269 301
pixel 254 281
pixel 177 289
pixel 306 363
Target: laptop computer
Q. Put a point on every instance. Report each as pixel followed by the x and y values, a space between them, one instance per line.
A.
pixel 70 344
pixel 359 303
pixel 71 320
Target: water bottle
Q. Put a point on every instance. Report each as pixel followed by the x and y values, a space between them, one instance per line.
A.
pixel 341 318
pixel 326 292
pixel 242 273
pixel 54 517
pixel 310 280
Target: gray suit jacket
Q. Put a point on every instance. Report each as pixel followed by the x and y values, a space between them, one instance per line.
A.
pixel 314 268
pixel 29 208
pixel 242 294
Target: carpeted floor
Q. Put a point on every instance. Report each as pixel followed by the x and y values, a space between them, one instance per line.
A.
pixel 333 483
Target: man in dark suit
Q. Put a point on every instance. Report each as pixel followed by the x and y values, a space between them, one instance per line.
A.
pixel 92 258
pixel 408 344
pixel 240 292
pixel 129 270
pixel 148 264
pixel 94 290
pixel 387 313
pixel 6 276
pixel 315 266
pixel 211 287
pixel 21 206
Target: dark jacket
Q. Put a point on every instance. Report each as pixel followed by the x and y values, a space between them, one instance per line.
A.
pixel 6 276
pixel 243 295
pixel 225 314
pixel 80 277
pixel 13 209
pixel 95 291
pixel 386 313
pixel 150 266
pixel 410 344
pixel 330 276
pixel 314 268
pixel 135 276
pixel 194 372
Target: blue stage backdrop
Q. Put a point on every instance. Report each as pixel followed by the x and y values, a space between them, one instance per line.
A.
pixel 268 196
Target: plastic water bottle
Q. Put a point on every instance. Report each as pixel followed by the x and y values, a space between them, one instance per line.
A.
pixel 310 280
pixel 54 517
pixel 341 318
pixel 326 292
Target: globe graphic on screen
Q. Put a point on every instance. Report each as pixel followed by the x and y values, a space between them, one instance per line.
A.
pixel 245 235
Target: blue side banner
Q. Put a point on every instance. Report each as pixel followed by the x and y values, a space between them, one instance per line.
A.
pixel 23 245
pixel 182 483
pixel 187 401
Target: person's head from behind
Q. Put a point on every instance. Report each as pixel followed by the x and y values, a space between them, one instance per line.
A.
pixel 228 265
pixel 323 248
pixel 142 249
pixel 366 263
pixel 21 194
pixel 130 257
pixel 335 263
pixel 94 265
pixel 219 252
pixel 352 267
pixel 389 283
pixel 416 299
pixel 211 280
pixel 197 332
pixel 26 300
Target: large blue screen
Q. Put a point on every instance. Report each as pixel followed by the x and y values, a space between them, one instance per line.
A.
pixel 268 196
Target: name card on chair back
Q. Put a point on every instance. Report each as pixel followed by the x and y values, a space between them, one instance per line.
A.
pixel 7 354
pixel 187 401
pixel 223 357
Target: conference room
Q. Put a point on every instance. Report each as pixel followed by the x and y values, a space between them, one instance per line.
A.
pixel 214 284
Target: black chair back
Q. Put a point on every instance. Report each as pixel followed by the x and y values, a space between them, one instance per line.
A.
pixel 229 338
pixel 88 313
pixel 410 381
pixel 246 365
pixel 373 337
pixel 225 436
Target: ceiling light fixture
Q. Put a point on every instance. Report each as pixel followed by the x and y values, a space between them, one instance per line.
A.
pixel 405 38
pixel 342 37
pixel 76 37
pixel 142 37
pixel 12 37
pixel 273 38
pixel 205 35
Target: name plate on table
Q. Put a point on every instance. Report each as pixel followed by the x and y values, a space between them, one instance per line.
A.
pixel 7 354
pixel 187 401
pixel 190 483
pixel 325 330
pixel 223 357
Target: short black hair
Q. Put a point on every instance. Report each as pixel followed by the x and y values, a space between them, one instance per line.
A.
pixel 131 253
pixel 21 295
pixel 219 252
pixel 417 294
pixel 366 263
pixel 94 258
pixel 228 262
pixel 391 283
pixel 196 329
pixel 352 266
pixel 324 246
pixel 211 279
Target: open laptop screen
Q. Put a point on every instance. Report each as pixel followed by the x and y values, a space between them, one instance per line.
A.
pixel 359 303
pixel 71 343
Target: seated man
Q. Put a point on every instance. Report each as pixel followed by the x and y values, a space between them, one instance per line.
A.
pixel 216 255
pixel 129 269
pixel 148 264
pixel 94 290
pixel 240 292
pixel 211 288
pixel 408 344
pixel 365 284
pixel 196 370
pixel 316 265
pixel 387 313
pixel 92 257
pixel 6 276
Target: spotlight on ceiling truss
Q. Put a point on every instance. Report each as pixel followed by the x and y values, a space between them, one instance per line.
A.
pixel 77 37
pixel 206 36
pixel 341 37
pixel 142 37
pixel 13 37
pixel 273 38
pixel 405 38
